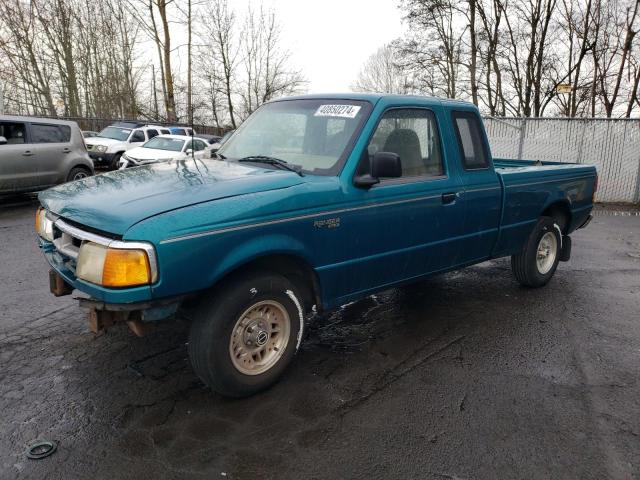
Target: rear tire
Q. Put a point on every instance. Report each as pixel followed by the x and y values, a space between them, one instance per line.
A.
pixel 537 262
pixel 244 336
pixel 78 173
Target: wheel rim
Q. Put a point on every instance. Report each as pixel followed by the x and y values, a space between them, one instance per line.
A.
pixel 546 254
pixel 80 175
pixel 259 337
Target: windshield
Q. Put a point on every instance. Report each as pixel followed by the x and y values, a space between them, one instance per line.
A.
pixel 163 143
pixel 115 133
pixel 312 134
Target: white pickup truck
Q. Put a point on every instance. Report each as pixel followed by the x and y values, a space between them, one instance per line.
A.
pixel 108 146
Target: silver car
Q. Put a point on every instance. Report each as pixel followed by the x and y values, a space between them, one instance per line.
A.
pixel 36 153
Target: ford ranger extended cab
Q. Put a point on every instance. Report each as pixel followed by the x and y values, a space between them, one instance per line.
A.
pixel 315 201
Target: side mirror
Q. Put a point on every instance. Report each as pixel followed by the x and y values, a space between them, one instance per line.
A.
pixel 383 165
pixel 188 151
pixel 386 165
pixel 3 141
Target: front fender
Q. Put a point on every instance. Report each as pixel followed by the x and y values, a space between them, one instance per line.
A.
pixel 197 264
pixel 255 248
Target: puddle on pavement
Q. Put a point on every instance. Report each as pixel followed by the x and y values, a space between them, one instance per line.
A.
pixel 353 326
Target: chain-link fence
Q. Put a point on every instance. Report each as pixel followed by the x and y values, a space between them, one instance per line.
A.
pixel 612 145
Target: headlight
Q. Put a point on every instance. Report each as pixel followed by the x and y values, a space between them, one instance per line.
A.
pixel 100 148
pixel 115 267
pixel 44 225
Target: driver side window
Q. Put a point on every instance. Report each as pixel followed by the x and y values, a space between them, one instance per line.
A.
pixel 137 136
pixel 412 134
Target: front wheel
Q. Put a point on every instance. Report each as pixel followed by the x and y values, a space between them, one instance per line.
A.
pixel 537 262
pixel 115 161
pixel 243 337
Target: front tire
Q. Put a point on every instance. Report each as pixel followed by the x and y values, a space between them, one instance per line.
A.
pixel 245 335
pixel 114 161
pixel 537 262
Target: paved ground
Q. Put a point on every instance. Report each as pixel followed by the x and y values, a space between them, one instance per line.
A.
pixel 466 376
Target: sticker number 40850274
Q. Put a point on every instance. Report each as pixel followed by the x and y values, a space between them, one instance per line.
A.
pixel 345 111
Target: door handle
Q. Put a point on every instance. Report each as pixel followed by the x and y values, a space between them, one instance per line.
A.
pixel 66 150
pixel 27 153
pixel 448 198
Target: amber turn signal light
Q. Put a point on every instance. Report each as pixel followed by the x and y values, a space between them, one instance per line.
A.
pixel 126 268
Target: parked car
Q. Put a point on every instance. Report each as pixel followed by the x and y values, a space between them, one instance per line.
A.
pixel 384 190
pixel 182 131
pixel 216 146
pixel 108 146
pixel 36 153
pixel 164 148
pixel 89 133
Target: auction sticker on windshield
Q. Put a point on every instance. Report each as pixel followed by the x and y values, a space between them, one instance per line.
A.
pixel 346 111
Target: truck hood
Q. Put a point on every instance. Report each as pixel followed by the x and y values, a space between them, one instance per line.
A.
pixel 115 201
pixel 102 141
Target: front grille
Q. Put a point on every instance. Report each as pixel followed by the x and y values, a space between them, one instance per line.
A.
pixel 67 245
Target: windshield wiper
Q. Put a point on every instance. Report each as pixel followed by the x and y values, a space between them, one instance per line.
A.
pixel 273 161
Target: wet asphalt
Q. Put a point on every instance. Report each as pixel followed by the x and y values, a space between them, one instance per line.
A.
pixel 463 376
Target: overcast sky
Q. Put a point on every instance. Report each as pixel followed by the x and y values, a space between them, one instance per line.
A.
pixel 331 39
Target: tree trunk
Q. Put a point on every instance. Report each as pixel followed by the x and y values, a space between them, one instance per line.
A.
pixel 170 100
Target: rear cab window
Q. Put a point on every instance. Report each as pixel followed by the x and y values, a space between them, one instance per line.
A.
pixel 46 133
pixel 473 151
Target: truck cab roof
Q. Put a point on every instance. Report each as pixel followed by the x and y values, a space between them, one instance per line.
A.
pixel 390 97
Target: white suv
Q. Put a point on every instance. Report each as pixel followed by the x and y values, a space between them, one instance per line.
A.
pixel 108 146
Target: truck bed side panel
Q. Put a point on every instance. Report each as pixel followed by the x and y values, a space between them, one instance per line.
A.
pixel 532 188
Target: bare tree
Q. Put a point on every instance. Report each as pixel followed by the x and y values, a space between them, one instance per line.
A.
pixel 491 17
pixel 170 101
pixel 266 63
pixel 382 72
pixel 615 51
pixel 24 59
pixel 223 46
pixel 434 48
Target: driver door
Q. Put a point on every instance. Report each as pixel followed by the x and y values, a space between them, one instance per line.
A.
pixel 402 228
pixel 137 138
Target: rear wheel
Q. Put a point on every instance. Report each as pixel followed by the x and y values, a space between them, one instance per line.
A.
pixel 537 262
pixel 78 173
pixel 243 337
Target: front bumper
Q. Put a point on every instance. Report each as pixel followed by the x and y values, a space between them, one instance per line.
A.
pixel 102 158
pixel 109 307
pixel 65 267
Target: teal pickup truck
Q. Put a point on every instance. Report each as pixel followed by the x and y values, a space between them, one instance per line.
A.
pixel 315 201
